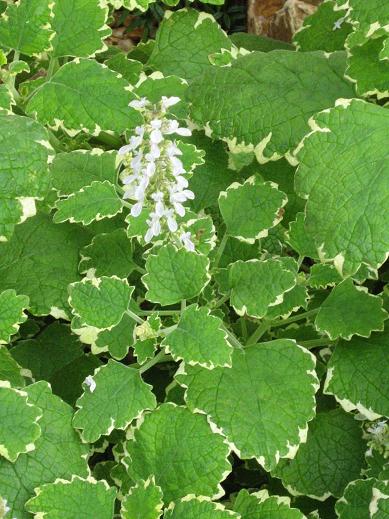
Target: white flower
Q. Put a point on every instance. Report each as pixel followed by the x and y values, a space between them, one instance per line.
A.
pixel 136 209
pixel 89 381
pixel 178 168
pixel 185 238
pixel 172 126
pixel 171 221
pixel 167 102
pixel 139 104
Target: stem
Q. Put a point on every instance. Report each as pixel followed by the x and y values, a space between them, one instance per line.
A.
pixel 234 341
pixel 134 316
pixel 220 302
pixel 55 142
pixel 183 305
pixel 53 63
pixel 295 318
pixel 160 312
pixel 140 269
pixel 314 343
pixel 166 331
pixel 261 330
pixel 110 140
pixel 160 357
pixel 220 250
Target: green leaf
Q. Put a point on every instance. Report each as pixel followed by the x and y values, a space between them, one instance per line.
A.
pixel 116 340
pixel 355 373
pixel 109 254
pixel 130 69
pixel 199 339
pixel 192 507
pixel 323 275
pixel 65 101
pixel 98 413
pixel 174 433
pixel 354 504
pixel 36 262
pixel 144 501
pixel 257 285
pixel 262 506
pixel 25 26
pixel 144 350
pixel 81 498
pixel 252 42
pixel 100 302
pixel 326 29
pixel 12 314
pixel 10 371
pixel 6 99
pixel 332 457
pixel 58 452
pixel 43 356
pixel 175 274
pixel 184 41
pixel 230 101
pixel 300 241
pixel 80 27
pixel 72 171
pixel 350 310
pixel 94 202
pixel 240 400
pixel 19 428
pixel 365 67
pixel 351 142
pixel 24 157
pixel 379 505
pixel 249 210
pixel 293 300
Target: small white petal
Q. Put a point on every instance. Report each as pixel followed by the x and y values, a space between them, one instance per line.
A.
pixel 139 104
pixel 124 150
pixel 184 132
pixel 90 383
pixel 136 209
pixel 156 124
pixel 167 102
pixel 156 136
pixel 179 208
pixel 149 235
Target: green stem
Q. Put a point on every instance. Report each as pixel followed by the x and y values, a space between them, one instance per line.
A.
pixel 261 330
pixel 183 305
pixel 220 302
pixel 55 142
pixel 295 318
pixel 140 270
pixel 135 317
pixel 314 343
pixel 160 312
pixel 160 357
pixel 220 251
pixel 109 140
pixel 53 64
pixel 166 331
pixel 233 340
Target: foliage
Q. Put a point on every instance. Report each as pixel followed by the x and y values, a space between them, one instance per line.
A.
pixel 193 266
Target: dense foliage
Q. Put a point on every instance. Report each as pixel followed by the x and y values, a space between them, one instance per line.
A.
pixel 193 240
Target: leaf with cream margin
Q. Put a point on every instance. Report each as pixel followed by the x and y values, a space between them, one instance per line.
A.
pixel 10 371
pixel 354 504
pixel 263 101
pixel 350 310
pixel 143 501
pixel 379 505
pixel 326 29
pixel 118 340
pixel 76 169
pixel 25 153
pixel 175 274
pixel 257 285
pixel 262 506
pixel 6 99
pixel 199 339
pixel 25 26
pixel 356 374
pixel 192 507
pixel 65 100
pixel 19 428
pixel 240 400
pixel 58 452
pixel 36 263
pixel 81 498
pixel 112 398
pixel 180 450
pixel 332 457
pixel 342 174
pixel 249 210
pixel 100 302
pixel 80 27
pixel 97 201
pixel 12 307
pixel 184 41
